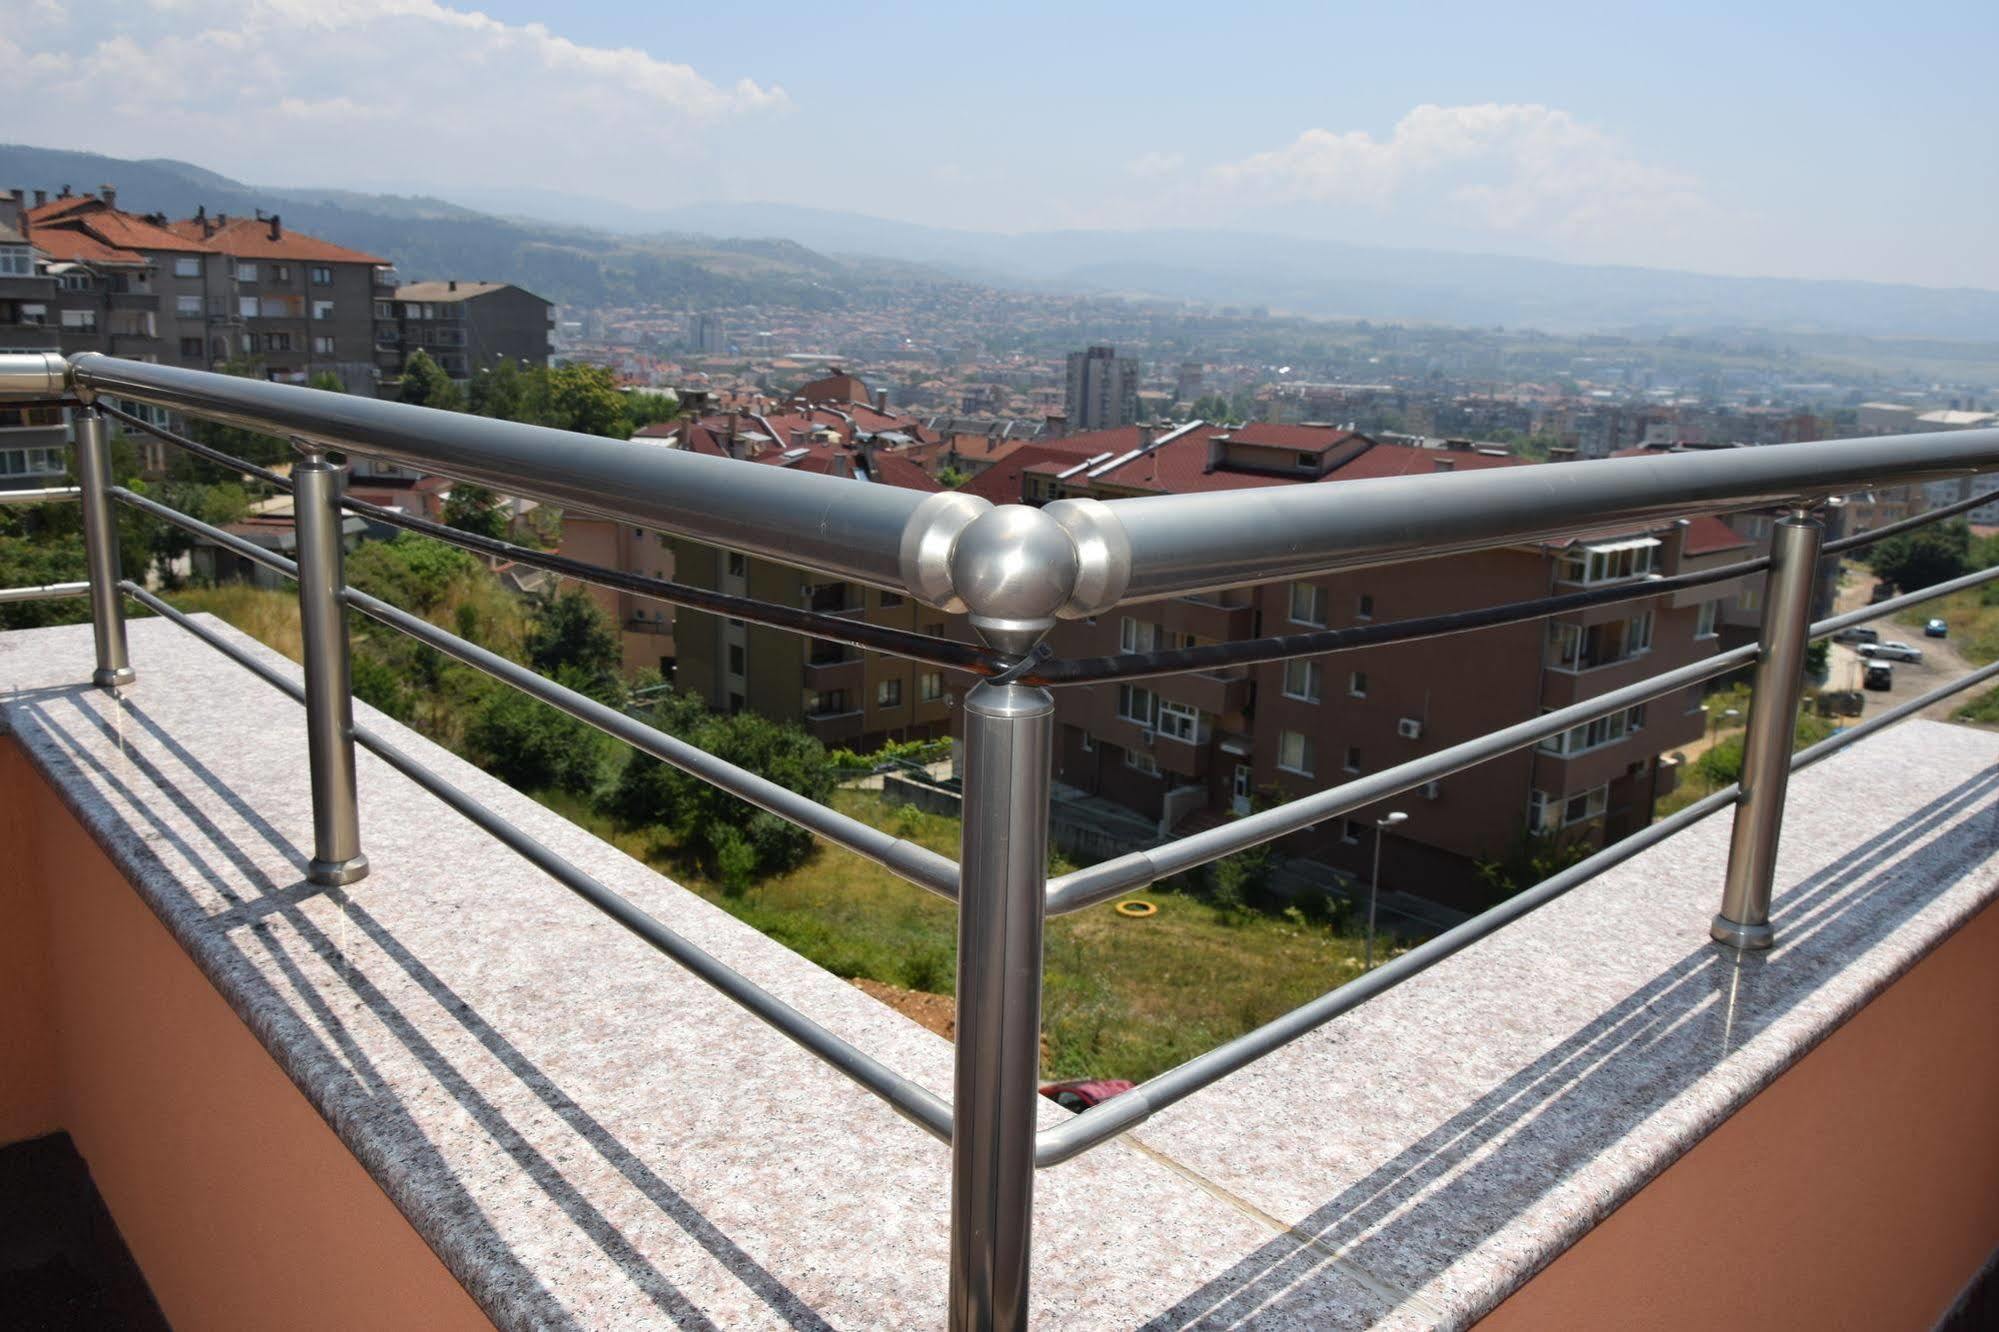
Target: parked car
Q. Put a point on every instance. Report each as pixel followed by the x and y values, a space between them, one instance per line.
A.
pixel 1083 1093
pixel 1878 675
pixel 1881 592
pixel 1936 629
pixel 1891 651
pixel 1857 634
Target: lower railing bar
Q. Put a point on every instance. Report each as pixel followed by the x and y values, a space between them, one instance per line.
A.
pixel 1903 602
pixel 944 652
pixel 920 865
pixel 1832 744
pixel 1901 525
pixel 913 1102
pixel 1115 1116
pixel 42 496
pixel 1101 882
pixel 45 592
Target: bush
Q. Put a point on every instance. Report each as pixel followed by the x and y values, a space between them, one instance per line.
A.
pixel 532 746
pixel 412 572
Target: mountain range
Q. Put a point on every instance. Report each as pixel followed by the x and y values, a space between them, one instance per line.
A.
pixel 586 252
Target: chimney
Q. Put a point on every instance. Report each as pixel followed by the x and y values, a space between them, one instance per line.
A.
pixel 63 193
pixel 41 197
pixel 1058 425
pixel 260 214
pixel 277 228
pixel 201 214
pixel 881 401
pixel 452 285
pixel 108 193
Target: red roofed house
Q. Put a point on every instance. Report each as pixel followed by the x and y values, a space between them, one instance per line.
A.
pixel 1201 747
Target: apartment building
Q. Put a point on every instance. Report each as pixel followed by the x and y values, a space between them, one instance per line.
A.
pixel 31 438
pixel 1209 746
pixel 464 326
pixel 1102 389
pixel 841 695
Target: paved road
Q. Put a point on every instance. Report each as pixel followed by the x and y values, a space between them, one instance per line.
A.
pixel 1941 663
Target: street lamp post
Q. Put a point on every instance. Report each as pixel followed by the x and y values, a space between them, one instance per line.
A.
pixel 1381 827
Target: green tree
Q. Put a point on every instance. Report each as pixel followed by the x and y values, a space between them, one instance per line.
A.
pixel 585 398
pixel 647 406
pixel 426 385
pixel 1922 557
pixel 736 842
pixel 501 390
pixel 409 571
pixel 1214 408
pixel 571 635
pixel 326 382
pixel 534 747
pixel 475 509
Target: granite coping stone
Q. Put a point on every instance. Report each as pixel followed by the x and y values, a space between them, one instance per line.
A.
pixel 589 1137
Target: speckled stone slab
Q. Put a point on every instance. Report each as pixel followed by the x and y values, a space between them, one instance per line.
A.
pixel 587 1136
pixel 590 1138
pixel 1451 1138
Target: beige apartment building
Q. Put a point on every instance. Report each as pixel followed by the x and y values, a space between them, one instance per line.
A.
pixel 1207 746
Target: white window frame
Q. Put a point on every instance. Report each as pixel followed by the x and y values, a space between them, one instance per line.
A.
pixel 1140 761
pixel 888 692
pixel 320 275
pixel 1147 703
pixel 80 321
pixel 1609 561
pixel 16 261
pixel 1178 721
pixel 246 270
pixel 1314 610
pixel 1707 621
pixel 1351 761
pixel 322 309
pixel 1306 757
pixel 1302 679
pixel 187 307
pixel 187 266
pixel 1136 635
pixel 929 686
pixel 1357 684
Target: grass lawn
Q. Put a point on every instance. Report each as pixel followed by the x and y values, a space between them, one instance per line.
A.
pixel 1124 998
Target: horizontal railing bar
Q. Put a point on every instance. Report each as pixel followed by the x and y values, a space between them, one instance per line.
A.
pixel 942 652
pixel 228 461
pixel 1220 539
pixel 920 865
pixel 1105 880
pixel 1112 1117
pixel 913 1102
pixel 1832 744
pixel 42 496
pixel 1901 525
pixel 805 519
pixel 1847 620
pixel 208 532
pixel 44 592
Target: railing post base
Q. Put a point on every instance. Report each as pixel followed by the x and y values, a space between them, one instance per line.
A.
pixel 1747 938
pixel 335 874
pixel 114 678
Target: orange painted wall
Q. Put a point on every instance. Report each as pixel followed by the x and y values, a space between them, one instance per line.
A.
pixel 238 1202
pixel 1858 1190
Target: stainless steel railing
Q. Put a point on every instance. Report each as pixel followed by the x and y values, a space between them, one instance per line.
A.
pixel 1013 571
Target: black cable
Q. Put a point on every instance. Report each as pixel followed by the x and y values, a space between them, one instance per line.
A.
pixel 216 456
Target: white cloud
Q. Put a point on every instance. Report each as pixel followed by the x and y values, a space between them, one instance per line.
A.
pixel 1149 165
pixel 280 88
pixel 1512 168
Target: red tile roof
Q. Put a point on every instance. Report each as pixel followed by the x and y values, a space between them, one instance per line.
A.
pixel 1002 482
pixel 1707 534
pixel 249 238
pixel 118 230
pixel 69 244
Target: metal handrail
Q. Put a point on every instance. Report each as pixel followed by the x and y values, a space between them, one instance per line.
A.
pixel 1015 570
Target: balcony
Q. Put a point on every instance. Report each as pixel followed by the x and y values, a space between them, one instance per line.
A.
pixel 1210 617
pixel 840 673
pixel 1222 693
pixel 351 1014
pixel 835 728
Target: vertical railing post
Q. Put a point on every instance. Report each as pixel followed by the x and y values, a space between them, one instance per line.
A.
pixel 329 704
pixel 1769 736
pixel 1009 732
pixel 100 549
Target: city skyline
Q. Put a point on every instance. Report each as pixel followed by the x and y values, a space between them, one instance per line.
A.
pixel 1720 142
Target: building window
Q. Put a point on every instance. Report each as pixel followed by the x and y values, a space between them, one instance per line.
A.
pixel 82 321
pixel 1308 461
pixel 187 307
pixel 1179 721
pixel 1546 813
pixel 736 655
pixel 1596 734
pixel 16 261
pixel 934 630
pixel 1705 621
pixel 30 462
pixel 888 693
pixel 738 566
pixel 1308 604
pixel 1351 830
pixel 1357 685
pixel 930 686
pixel 384 310
pixel 1089 742
pixel 1139 761
pixel 322 276
pixel 1301 680
pixel 889 601
pixel 1137 635
pixel 249 342
pixel 80 282
pixel 1610 562
pixel 1574 647
pixel 187 265
pixel 322 346
pixel 1353 758
pixel 246 272
pixel 322 309
pixel 1136 705
pixel 1294 752
pixel 33 315
pixel 826 704
pixel 1364 607
pixel 246 306
pixel 190 349
pixel 278 342
pixel 1751 597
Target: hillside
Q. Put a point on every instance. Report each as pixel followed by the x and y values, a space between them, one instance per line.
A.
pixel 431 238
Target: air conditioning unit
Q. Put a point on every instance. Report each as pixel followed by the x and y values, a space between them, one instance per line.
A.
pixel 1409 728
pixel 1431 790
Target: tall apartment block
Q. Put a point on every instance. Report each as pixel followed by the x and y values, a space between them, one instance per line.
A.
pixel 1103 390
pixel 705 335
pixel 464 326
pixel 31 438
pixel 1180 749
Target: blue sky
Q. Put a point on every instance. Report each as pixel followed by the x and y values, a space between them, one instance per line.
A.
pixel 1779 139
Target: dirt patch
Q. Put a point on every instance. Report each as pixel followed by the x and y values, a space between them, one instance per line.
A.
pixel 938 1012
